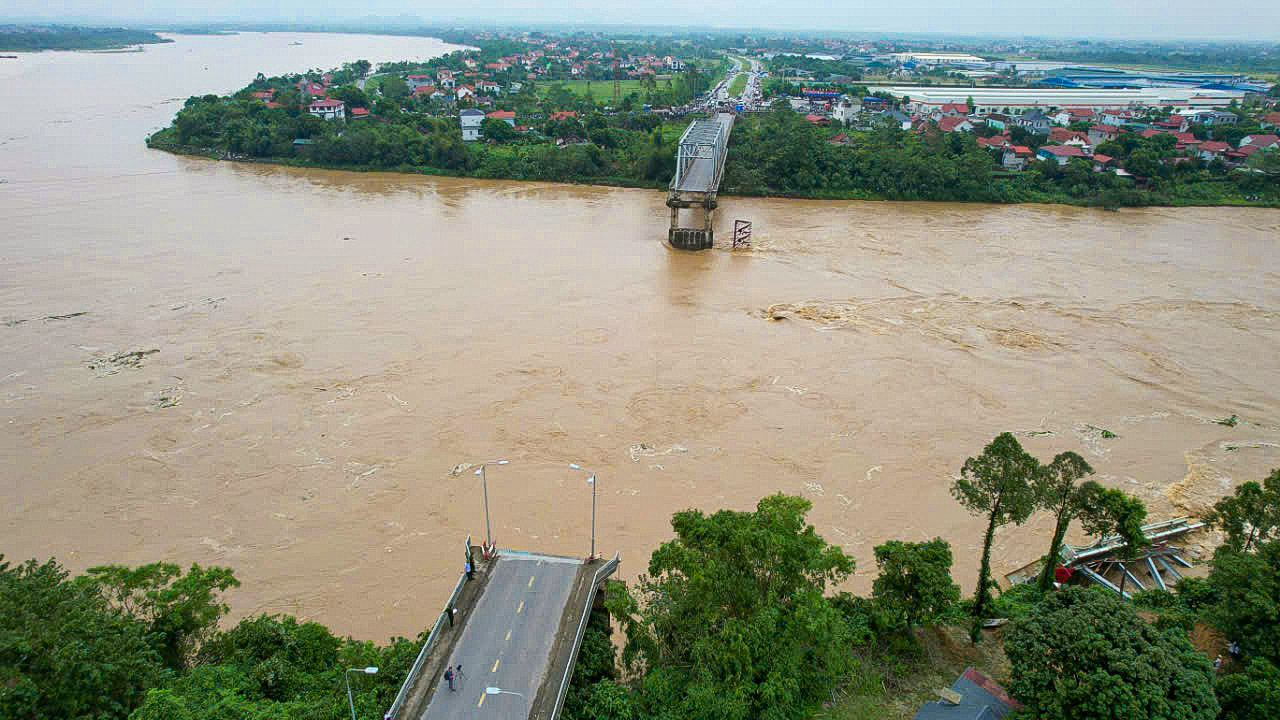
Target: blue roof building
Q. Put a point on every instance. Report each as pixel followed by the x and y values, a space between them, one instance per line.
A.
pixel 977 696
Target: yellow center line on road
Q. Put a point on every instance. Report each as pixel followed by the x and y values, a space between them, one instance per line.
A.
pixel 520 608
pixel 481 703
pixel 508 638
pixel 531 577
pixel 495 665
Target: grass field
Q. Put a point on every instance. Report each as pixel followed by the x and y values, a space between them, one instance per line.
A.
pixel 600 89
pixel 738 85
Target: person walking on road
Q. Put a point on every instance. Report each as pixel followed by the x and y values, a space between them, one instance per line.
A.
pixel 448 675
pixel 460 676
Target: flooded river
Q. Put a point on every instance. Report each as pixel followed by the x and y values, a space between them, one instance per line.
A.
pixel 277 369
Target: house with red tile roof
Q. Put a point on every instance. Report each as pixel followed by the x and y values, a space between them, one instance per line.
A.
pixel 841 139
pixel 1101 132
pixel 264 95
pixel 563 115
pixel 996 142
pixel 328 109
pixel 955 124
pixel 1210 149
pixel 428 91
pixel 1016 157
pixel 1102 162
pixel 314 89
pixel 507 116
pixel 817 119
pixel 359 113
pixel 465 91
pixel 1062 154
pixel 1063 136
pixel 1262 142
pixel 1270 120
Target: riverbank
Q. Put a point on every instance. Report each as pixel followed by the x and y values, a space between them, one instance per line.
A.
pixel 1028 197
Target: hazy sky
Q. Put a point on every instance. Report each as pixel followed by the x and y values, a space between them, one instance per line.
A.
pixel 1242 19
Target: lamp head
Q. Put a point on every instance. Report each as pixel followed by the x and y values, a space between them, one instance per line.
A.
pixel 371 671
pixel 491 690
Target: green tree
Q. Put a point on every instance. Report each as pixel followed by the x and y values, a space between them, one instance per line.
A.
pixel 1251 515
pixel 66 653
pixel 1084 653
pixel 496 130
pixel 394 87
pixel 182 610
pixel 731 621
pixel 997 483
pixel 1057 491
pixel 1113 512
pixel 915 580
pixel 1250 695
pixel 1248 598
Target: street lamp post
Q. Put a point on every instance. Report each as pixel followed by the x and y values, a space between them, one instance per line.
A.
pixel 484 480
pixel 347 675
pixel 491 690
pixel 592 482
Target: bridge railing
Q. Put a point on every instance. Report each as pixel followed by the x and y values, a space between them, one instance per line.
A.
pixel 605 571
pixel 393 713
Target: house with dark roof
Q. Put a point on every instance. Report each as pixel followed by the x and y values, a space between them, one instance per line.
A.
pixel 973 696
pixel 1034 121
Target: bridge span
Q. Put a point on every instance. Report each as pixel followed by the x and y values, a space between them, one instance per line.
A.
pixel 699 170
pixel 518 627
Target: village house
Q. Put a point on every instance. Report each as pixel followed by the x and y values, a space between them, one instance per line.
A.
pixel 1261 142
pixel 1062 153
pixel 417 81
pixel 1117 117
pixel 359 113
pixel 1016 157
pixel 1034 121
pixel 1270 120
pixel 312 88
pixel 487 86
pixel 1215 117
pixel 1101 132
pixel 841 139
pixel 1210 149
pixel 995 142
pixel 949 110
pixel 506 116
pixel 893 117
pixel 999 121
pixel 428 91
pixel 1063 136
pixel 955 124
pixel 846 111
pixel 328 109
pixel 264 95
pixel 465 92
pixel 1173 124
pixel 1068 116
pixel 445 79
pixel 559 115
pixel 470 121
pixel 1103 162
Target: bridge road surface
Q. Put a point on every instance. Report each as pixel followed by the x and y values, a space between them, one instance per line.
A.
pixel 508 638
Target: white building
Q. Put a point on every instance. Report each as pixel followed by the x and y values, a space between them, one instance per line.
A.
pixel 846 111
pixel 328 109
pixel 925 58
pixel 1015 101
pixel 470 121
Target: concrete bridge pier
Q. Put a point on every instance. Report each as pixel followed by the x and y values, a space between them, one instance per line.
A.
pixel 692 237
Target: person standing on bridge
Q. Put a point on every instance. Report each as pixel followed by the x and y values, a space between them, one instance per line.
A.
pixel 448 676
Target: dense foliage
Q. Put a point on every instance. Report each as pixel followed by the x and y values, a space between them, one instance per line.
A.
pixel 1085 654
pixel 1247 587
pixel 33 38
pixel 914 584
pixel 144 643
pixel 1251 515
pixel 65 652
pixel 732 621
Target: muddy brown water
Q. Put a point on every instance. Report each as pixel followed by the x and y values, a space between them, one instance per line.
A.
pixel 330 345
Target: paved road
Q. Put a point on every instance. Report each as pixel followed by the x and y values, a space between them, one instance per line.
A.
pixel 508 638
